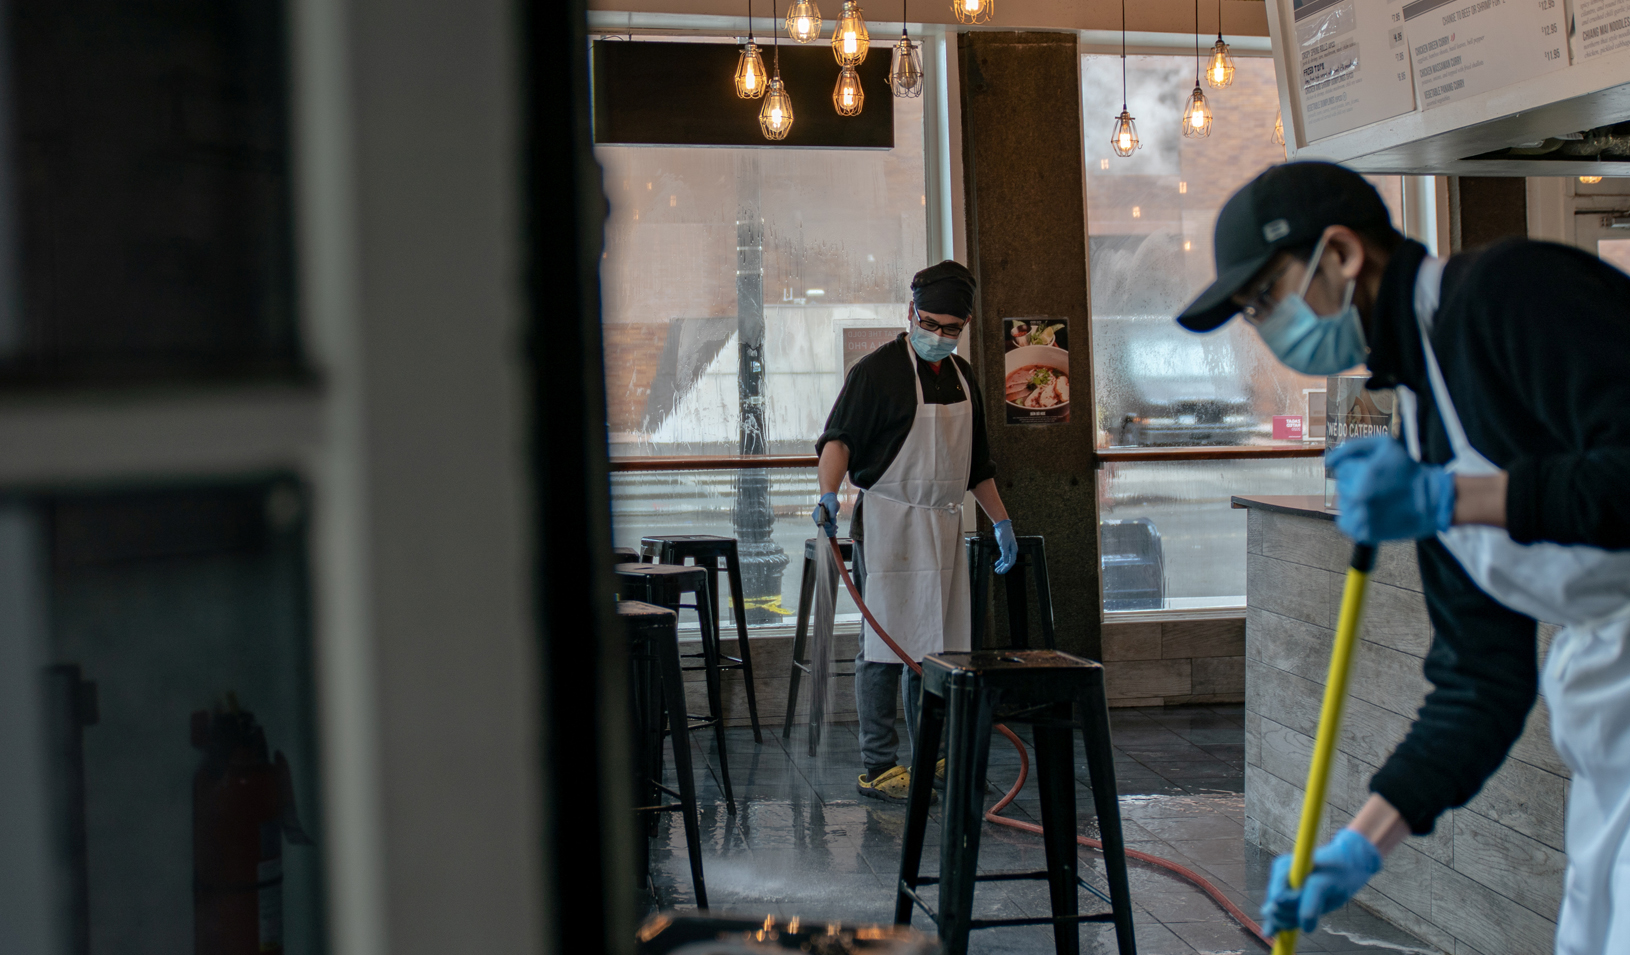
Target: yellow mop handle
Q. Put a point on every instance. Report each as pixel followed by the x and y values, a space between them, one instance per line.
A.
pixel 1324 747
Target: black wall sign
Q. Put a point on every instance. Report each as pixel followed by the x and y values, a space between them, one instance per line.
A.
pixel 683 94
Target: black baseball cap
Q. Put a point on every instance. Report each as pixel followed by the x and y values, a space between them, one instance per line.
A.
pixel 1289 205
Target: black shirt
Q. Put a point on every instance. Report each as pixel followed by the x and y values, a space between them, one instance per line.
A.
pixel 878 403
pixel 1533 340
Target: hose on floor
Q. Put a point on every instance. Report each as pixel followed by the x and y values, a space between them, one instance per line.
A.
pixel 993 814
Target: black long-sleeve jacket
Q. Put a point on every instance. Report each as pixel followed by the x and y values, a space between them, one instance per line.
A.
pixel 1534 343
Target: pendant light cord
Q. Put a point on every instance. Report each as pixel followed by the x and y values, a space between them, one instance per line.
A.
pixel 1196 44
pixel 775 40
pixel 750 20
pixel 1219 18
pixel 1123 55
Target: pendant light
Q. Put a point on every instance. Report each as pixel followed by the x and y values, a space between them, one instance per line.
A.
pixel 973 11
pixel 906 71
pixel 804 21
pixel 1125 137
pixel 1220 71
pixel 775 116
pixel 1196 115
pixel 847 96
pixel 1279 127
pixel 850 41
pixel 750 76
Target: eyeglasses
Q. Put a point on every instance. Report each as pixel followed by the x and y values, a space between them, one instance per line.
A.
pixel 1258 304
pixel 949 331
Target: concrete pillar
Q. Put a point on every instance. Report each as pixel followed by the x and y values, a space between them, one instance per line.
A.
pixel 1027 243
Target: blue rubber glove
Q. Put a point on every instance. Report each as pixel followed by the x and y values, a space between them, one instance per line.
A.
pixel 1386 495
pixel 1340 868
pixel 829 500
pixel 1009 545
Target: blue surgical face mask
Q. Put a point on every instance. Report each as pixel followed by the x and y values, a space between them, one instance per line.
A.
pixel 929 345
pixel 1310 343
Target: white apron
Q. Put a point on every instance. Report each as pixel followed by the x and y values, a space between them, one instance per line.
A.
pixel 916 571
pixel 1586 681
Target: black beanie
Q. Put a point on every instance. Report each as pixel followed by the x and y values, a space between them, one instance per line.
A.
pixel 946 289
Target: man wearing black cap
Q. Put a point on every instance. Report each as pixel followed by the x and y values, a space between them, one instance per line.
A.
pixel 1510 365
pixel 909 431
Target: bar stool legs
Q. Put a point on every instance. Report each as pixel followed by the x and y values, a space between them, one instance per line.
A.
pixel 673 707
pixel 800 644
pixel 715 696
pixel 739 609
pixel 964 693
pixel 1101 769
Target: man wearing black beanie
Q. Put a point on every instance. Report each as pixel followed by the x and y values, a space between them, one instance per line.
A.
pixel 909 431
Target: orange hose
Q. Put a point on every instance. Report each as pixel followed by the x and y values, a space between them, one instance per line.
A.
pixel 993 813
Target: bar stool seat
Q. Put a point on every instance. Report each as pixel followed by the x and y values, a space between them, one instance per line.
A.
pixel 971 691
pixel 658 700
pixel 706 550
pixel 800 635
pixel 666 585
pixel 983 552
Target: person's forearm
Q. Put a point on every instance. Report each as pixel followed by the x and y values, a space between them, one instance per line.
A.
pixel 1380 823
pixel 1480 499
pixel 990 500
pixel 834 465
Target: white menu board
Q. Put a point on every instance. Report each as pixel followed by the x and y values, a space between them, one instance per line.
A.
pixel 1599 26
pixel 1353 62
pixel 1461 48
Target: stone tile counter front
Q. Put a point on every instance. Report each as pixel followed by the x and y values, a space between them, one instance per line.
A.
pixel 1488 880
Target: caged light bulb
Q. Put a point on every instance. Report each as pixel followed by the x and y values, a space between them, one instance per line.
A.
pixel 1197 115
pixel 906 71
pixel 804 21
pixel 850 39
pixel 750 72
pixel 1125 137
pixel 973 11
pixel 775 116
pixel 847 96
pixel 1220 71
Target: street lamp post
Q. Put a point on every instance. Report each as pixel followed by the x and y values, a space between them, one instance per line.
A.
pixel 762 560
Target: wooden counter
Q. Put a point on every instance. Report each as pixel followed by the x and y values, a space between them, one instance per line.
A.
pixel 1489 878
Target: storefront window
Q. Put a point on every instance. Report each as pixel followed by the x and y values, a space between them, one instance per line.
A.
pixel 1170 540
pixel 1149 222
pixel 828 275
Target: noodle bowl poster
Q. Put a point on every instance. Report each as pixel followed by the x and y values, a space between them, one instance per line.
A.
pixel 1037 356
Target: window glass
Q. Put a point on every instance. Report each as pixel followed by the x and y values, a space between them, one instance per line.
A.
pixel 1149 222
pixel 843 232
pixel 1170 539
pixel 826 276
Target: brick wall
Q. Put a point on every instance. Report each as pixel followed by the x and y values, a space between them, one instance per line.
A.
pixel 633 353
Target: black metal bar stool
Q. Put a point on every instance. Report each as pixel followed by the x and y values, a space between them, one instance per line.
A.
pixel 968 692
pixel 705 550
pixel 800 635
pixel 983 553
pixel 665 585
pixel 658 699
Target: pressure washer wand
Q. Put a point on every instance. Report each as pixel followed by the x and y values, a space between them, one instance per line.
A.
pixel 1324 747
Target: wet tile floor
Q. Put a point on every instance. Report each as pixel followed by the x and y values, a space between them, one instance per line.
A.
pixel 803 842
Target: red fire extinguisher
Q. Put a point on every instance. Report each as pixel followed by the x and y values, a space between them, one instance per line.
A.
pixel 242 810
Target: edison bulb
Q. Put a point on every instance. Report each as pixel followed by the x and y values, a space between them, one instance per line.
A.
pixel 850 39
pixel 1220 71
pixel 804 21
pixel 1196 115
pixel 847 96
pixel 775 116
pixel 750 73
pixel 906 72
pixel 1590 180
pixel 973 11
pixel 1125 137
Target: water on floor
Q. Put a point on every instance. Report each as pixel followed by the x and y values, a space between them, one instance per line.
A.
pixel 804 842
